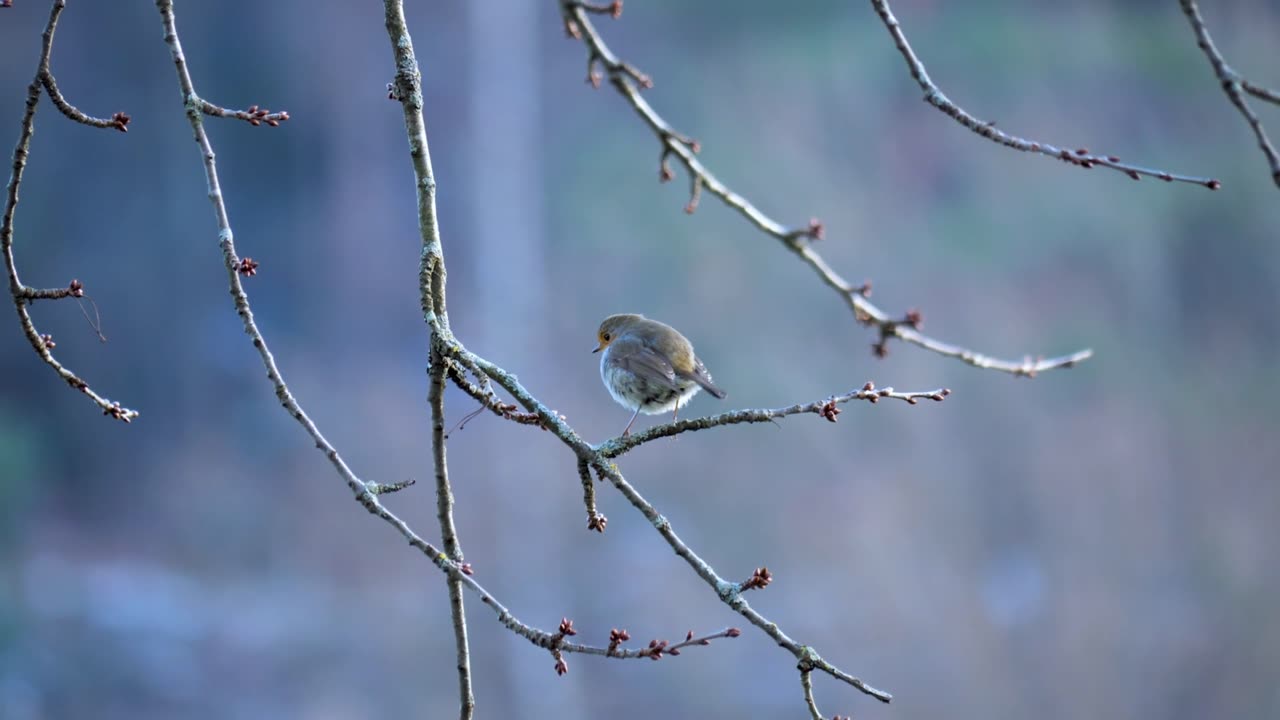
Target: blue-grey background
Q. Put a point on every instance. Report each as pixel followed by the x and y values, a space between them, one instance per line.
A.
pixel 1095 543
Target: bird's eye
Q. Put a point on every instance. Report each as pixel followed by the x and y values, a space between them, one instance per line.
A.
pixel 605 337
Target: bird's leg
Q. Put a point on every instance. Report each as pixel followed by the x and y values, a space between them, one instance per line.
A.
pixel 635 415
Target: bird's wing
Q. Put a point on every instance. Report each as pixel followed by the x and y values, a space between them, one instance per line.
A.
pixel 639 359
pixel 703 378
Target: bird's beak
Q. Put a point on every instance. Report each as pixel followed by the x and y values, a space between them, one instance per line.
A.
pixel 598 349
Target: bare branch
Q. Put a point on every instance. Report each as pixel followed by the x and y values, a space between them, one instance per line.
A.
pixel 254 115
pixel 449 533
pixel 595 521
pixel 1260 92
pixel 798 240
pixel 1233 84
pixel 728 592
pixel 387 489
pixel 613 9
pixel 22 295
pixel 827 408
pixel 118 121
pixel 806 682
pixel 655 650
pixel 74 289
pixel 489 400
pixel 365 493
pixel 1080 157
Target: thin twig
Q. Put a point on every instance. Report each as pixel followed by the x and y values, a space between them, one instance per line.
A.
pixel 118 121
pixel 595 521
pixel 623 78
pixel 255 115
pixel 388 488
pixel 74 289
pixel 1260 92
pixel 1080 157
pixel 449 533
pixel 614 8
pixel 489 400
pixel 226 241
pixel 1232 84
pixel 656 649
pixel 806 682
pixel 827 408
pixel 20 293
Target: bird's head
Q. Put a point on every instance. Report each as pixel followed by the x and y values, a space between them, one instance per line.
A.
pixel 614 327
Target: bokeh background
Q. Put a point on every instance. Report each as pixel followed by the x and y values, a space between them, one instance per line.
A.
pixel 1097 542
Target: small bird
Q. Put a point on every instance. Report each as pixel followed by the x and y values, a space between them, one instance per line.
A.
pixel 649 366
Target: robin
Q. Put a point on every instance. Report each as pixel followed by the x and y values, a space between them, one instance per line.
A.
pixel 649 366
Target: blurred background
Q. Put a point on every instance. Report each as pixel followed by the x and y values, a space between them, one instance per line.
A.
pixel 1091 543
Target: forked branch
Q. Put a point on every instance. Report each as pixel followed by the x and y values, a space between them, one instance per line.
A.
pixel 1235 86
pixel 628 81
pixel 730 593
pixel 22 294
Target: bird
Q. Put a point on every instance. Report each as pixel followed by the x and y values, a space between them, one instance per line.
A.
pixel 649 367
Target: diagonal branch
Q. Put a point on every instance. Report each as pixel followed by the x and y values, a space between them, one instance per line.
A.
pixel 22 294
pixel 226 241
pixel 1233 85
pixel 1260 92
pixel 628 82
pixel 1080 158
pixel 730 593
